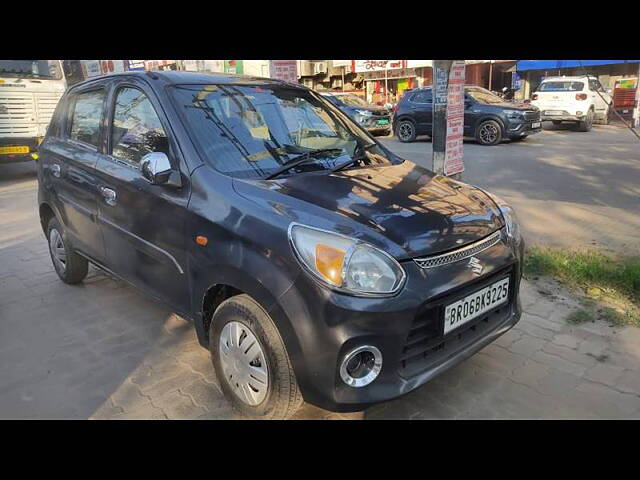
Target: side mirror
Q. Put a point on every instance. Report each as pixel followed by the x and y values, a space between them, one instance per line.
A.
pixel 156 168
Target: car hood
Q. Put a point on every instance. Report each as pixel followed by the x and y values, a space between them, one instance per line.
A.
pixel 422 213
pixel 513 106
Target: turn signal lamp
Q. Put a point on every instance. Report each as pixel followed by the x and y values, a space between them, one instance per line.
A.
pixel 329 263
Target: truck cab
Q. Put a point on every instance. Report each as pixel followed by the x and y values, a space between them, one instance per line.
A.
pixel 29 93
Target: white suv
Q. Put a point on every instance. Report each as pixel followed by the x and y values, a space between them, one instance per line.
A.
pixel 573 99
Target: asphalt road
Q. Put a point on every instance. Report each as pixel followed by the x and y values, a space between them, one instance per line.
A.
pixel 569 188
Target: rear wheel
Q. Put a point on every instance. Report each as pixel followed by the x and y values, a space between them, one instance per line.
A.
pixel 70 267
pixel 489 132
pixel 587 123
pixel 406 131
pixel 251 361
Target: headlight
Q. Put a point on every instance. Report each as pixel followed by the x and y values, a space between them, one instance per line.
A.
pixel 513 114
pixel 344 263
pixel 510 219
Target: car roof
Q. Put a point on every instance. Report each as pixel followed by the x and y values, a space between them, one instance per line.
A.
pixel 198 78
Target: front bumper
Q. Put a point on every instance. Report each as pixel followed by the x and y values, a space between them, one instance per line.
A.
pixel 564 117
pixel 407 329
pixel 520 129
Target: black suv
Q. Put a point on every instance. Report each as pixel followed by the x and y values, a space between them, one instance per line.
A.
pixel 313 262
pixel 487 118
pixel 376 120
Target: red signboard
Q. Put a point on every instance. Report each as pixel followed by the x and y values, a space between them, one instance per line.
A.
pixel 286 70
pixel 453 162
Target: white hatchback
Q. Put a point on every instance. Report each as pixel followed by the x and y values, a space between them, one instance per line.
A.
pixel 573 99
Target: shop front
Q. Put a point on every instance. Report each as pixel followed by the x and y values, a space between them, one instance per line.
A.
pixel 385 80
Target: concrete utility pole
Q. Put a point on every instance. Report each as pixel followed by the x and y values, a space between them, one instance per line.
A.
pixel 439 134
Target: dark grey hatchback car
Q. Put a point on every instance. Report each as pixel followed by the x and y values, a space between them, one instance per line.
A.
pixel 314 263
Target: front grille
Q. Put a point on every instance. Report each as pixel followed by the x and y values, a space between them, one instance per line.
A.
pixel 532 116
pixel 17 117
pixel 426 347
pixel 459 254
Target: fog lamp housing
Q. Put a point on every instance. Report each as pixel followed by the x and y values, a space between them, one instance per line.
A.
pixel 361 366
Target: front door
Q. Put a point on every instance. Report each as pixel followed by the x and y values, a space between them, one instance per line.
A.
pixel 143 224
pixel 70 164
pixel 422 108
pixel 600 98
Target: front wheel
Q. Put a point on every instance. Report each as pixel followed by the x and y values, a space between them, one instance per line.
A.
pixel 251 361
pixel 406 131
pixel 489 132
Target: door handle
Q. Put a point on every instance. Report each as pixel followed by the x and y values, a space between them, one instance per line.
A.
pixel 109 196
pixel 55 170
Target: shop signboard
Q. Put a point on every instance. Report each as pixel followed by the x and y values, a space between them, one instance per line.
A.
pixel 453 160
pixel 361 66
pixel 90 68
pixel 286 70
pixel 233 66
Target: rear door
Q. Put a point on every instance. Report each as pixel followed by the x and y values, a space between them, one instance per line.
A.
pixel 422 109
pixel 69 161
pixel 143 224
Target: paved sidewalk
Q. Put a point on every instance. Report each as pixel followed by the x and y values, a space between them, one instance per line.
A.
pixel 101 350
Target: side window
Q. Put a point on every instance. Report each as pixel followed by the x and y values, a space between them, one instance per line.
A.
pixel 136 128
pixel 87 114
pixel 422 97
pixel 594 85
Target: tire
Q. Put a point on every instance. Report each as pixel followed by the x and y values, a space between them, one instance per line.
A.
pixel 70 267
pixel 586 125
pixel 488 133
pixel 406 131
pixel 243 319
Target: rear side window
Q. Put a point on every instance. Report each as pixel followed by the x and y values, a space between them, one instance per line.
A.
pixel 136 130
pixel 594 85
pixel 87 114
pixel 561 87
pixel 422 97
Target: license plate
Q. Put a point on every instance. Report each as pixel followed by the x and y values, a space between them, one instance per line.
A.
pixel 474 305
pixel 10 150
pixel 535 125
pixel 383 121
pixel 553 112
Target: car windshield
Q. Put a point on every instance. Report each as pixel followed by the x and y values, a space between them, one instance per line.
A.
pixel 561 87
pixel 483 96
pixel 352 100
pixel 251 131
pixel 47 69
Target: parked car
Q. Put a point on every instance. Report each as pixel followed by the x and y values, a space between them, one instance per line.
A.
pixel 374 118
pixel 487 118
pixel 314 263
pixel 580 100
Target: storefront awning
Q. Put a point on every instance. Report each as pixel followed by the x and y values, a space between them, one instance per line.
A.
pixel 524 65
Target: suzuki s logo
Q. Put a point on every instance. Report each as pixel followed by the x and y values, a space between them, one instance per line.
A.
pixel 475 265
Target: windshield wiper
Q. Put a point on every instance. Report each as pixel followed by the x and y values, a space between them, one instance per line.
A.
pixel 357 156
pixel 299 160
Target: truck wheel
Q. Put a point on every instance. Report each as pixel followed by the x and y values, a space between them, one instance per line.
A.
pixel 489 132
pixel 406 131
pixel 251 361
pixel 70 267
pixel 587 123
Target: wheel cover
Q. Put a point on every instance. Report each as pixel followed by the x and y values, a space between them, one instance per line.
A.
pixel 405 130
pixel 58 253
pixel 243 363
pixel 488 133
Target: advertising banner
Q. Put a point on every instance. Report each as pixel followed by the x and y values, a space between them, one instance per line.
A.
pixel 453 160
pixel 286 70
pixel 233 66
pixel 377 65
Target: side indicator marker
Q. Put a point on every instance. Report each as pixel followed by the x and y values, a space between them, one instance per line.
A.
pixel 202 241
